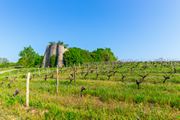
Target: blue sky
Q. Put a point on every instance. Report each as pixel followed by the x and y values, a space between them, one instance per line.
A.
pixel 133 29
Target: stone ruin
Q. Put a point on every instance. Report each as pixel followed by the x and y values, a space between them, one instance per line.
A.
pixel 56 50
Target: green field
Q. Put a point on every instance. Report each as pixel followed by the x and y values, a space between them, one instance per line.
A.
pixel 112 92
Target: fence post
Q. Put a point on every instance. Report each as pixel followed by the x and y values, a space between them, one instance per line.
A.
pixel 57 81
pixel 39 71
pixel 27 90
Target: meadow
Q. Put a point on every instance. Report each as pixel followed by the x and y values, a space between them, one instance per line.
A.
pixel 98 91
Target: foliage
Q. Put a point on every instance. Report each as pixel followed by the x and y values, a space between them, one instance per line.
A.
pixel 38 60
pixel 29 58
pixel 103 99
pixel 6 65
pixel 62 43
pixel 103 55
pixel 53 61
pixel 4 60
pixel 80 56
pixel 76 56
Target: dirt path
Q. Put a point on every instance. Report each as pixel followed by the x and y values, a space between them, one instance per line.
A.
pixel 1 72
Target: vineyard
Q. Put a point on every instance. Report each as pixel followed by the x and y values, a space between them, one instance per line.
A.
pixel 110 90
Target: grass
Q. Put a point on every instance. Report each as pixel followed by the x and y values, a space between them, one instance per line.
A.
pixel 102 99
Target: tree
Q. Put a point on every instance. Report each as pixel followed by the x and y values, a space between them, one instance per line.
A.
pixel 38 61
pixel 4 62
pixel 29 58
pixel 103 55
pixel 80 56
pixel 76 56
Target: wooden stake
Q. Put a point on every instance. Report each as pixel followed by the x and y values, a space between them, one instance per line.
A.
pixel 39 71
pixel 57 81
pixel 27 90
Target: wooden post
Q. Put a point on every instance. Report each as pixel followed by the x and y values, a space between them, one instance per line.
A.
pixel 27 90
pixel 39 71
pixel 57 81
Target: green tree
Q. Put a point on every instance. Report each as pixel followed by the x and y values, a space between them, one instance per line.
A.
pixel 103 55
pixel 4 62
pixel 77 56
pixel 80 56
pixel 29 58
pixel 38 61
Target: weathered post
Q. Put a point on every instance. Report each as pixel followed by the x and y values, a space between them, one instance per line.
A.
pixel 27 90
pixel 39 71
pixel 57 79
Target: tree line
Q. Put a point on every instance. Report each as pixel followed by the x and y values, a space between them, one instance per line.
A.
pixel 74 56
pixel 4 62
pixel 80 56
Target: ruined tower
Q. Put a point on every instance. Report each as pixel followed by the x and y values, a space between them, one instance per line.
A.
pixel 54 49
